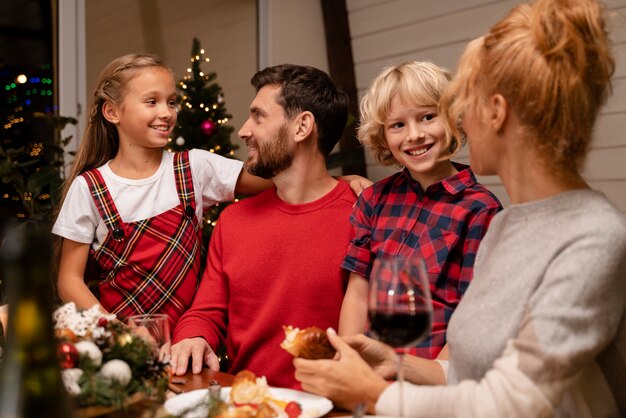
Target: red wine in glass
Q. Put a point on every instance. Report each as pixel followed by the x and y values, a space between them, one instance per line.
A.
pixel 399 305
pixel 399 329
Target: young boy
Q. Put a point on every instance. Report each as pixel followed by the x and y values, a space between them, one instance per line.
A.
pixel 433 208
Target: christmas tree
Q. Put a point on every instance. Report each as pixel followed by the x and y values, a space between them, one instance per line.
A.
pixel 202 119
pixel 31 150
pixel 202 115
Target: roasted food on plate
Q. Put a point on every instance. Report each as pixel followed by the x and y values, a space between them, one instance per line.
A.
pixel 250 397
pixel 247 389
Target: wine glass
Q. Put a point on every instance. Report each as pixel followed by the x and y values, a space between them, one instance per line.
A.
pixel 399 307
pixel 154 328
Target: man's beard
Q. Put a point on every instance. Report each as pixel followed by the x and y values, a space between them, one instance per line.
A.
pixel 272 157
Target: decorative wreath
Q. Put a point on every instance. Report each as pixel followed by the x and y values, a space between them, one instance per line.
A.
pixel 103 362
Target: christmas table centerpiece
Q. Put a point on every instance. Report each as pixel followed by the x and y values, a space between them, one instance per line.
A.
pixel 104 364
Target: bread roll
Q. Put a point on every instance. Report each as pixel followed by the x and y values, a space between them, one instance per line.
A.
pixel 247 389
pixel 308 343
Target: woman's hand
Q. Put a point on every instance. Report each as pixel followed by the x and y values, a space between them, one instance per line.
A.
pixel 379 356
pixel 383 359
pixel 347 380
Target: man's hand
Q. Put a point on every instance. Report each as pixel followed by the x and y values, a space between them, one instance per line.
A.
pixel 357 183
pixel 200 352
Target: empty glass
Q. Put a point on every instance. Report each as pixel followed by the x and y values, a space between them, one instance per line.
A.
pixel 155 328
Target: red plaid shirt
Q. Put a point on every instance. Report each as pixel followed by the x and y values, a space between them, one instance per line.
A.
pixel 443 224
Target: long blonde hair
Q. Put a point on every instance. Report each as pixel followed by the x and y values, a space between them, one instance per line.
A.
pixel 551 61
pixel 101 141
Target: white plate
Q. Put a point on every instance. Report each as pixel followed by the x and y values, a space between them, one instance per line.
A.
pixel 313 406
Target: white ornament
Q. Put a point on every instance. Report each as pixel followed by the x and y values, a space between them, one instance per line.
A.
pixel 81 323
pixel 70 379
pixel 89 349
pixel 116 370
pixel 180 141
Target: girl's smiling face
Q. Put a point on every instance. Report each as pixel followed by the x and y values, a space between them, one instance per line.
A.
pixel 416 138
pixel 147 114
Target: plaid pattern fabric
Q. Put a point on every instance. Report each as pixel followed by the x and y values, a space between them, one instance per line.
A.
pixel 102 199
pixel 182 175
pixel 154 267
pixel 443 224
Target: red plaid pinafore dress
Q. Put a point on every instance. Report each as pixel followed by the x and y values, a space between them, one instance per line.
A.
pixel 152 265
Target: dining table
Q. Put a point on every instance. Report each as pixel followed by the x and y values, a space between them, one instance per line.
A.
pixel 182 384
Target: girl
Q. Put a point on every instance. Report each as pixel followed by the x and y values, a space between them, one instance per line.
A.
pixel 133 208
pixel 541 330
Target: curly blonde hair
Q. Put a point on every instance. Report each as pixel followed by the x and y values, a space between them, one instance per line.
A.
pixel 551 61
pixel 416 83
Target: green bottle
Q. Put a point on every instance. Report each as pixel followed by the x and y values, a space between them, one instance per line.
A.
pixel 30 379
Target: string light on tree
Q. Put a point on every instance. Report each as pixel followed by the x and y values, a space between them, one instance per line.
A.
pixel 31 147
pixel 202 115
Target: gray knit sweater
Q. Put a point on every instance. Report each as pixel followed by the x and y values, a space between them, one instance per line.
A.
pixel 541 330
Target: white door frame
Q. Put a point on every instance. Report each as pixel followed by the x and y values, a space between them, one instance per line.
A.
pixel 72 69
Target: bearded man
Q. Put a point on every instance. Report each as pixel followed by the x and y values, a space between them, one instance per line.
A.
pixel 274 259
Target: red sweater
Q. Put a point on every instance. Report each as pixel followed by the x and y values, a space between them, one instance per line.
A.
pixel 271 264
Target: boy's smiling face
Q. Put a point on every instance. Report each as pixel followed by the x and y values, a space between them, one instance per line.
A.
pixel 417 139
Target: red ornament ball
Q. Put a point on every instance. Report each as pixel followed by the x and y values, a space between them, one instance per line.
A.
pixel 103 322
pixel 208 127
pixel 68 355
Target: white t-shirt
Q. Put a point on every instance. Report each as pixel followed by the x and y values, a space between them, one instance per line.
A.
pixel 214 179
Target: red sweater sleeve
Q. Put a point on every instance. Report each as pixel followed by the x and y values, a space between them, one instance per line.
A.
pixel 207 315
